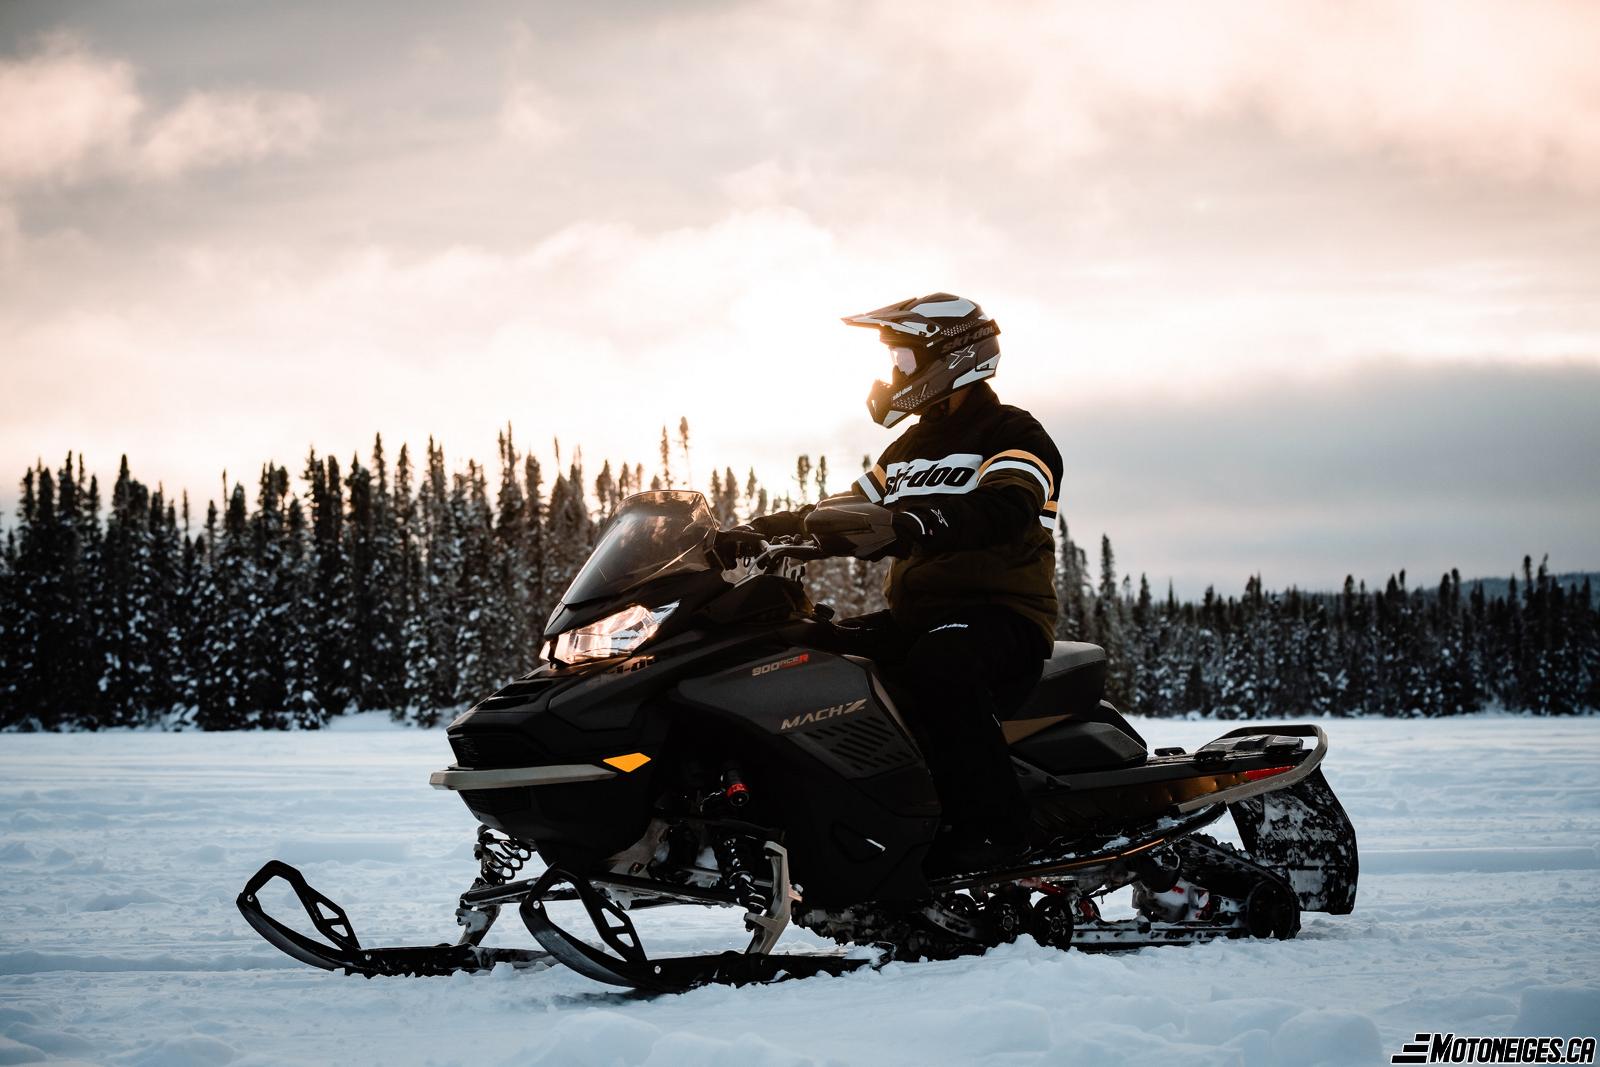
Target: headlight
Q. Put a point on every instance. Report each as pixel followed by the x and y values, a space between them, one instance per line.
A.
pixel 614 635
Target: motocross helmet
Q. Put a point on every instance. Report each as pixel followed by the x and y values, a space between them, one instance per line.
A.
pixel 940 343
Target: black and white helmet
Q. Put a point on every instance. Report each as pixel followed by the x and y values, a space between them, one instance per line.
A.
pixel 940 343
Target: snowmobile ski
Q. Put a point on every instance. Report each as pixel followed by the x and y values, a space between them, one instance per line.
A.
pixel 343 951
pixel 627 964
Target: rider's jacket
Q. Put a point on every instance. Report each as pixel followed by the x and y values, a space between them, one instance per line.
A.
pixel 983 484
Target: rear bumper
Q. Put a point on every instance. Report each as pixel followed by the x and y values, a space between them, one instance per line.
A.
pixel 1251 788
pixel 457 778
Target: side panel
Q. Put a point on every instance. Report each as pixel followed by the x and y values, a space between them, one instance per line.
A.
pixel 861 808
pixel 824 704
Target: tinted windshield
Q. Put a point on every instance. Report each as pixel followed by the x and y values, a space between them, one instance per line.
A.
pixel 653 534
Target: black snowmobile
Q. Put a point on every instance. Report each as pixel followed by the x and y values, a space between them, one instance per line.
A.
pixel 701 733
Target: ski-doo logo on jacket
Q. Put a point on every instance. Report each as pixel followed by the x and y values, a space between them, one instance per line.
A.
pixel 955 473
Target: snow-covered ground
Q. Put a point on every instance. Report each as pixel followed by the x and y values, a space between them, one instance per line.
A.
pixel 121 854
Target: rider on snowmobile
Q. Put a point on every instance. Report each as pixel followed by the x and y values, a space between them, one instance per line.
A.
pixel 971 492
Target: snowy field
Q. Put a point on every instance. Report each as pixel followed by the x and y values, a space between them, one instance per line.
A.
pixel 121 854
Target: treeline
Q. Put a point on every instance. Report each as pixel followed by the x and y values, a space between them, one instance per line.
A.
pixel 1398 651
pixel 416 589
pixel 408 588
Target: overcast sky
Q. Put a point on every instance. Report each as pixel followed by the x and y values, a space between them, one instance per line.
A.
pixel 1299 288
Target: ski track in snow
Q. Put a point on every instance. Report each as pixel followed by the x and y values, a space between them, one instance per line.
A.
pixel 121 855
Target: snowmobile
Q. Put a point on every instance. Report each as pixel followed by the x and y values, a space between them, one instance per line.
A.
pixel 699 732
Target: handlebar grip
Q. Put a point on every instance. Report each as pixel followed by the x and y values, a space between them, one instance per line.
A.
pixel 778 553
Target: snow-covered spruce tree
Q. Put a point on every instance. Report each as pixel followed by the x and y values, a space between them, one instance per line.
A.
pixel 230 610
pixel 442 554
pixel 1233 683
pixel 480 608
pixel 727 506
pixel 1073 619
pixel 370 553
pixel 382 678
pixel 411 596
pixel 124 595
pixel 608 494
pixel 330 605
pixel 570 533
pixel 263 638
pixel 517 625
pixel 295 587
pixel 186 626
pixel 1110 630
pixel 55 647
pixel 1148 633
pixel 1585 628
pixel 10 628
pixel 538 593
pixel 1325 694
pixel 167 664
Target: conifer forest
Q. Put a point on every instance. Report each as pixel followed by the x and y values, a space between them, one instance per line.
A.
pixel 406 586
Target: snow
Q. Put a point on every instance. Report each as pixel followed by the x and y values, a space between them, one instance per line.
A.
pixel 121 855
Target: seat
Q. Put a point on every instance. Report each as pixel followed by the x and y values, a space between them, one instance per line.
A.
pixel 1072 682
pixel 1063 725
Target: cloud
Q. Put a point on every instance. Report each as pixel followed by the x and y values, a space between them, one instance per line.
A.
pixel 528 116
pixel 1506 90
pixel 214 129
pixel 62 108
pixel 68 115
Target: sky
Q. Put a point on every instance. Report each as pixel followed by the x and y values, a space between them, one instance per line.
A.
pixel 1299 289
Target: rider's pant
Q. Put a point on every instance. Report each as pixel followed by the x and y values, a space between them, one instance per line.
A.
pixel 961 676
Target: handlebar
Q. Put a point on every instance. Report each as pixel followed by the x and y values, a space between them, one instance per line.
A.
pixel 793 549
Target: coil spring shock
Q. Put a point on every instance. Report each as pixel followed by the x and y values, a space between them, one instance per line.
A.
pixel 737 877
pixel 499 856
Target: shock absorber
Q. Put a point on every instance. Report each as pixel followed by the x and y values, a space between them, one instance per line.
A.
pixel 734 791
pixel 737 876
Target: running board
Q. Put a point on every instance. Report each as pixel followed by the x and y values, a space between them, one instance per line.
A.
pixel 1085 852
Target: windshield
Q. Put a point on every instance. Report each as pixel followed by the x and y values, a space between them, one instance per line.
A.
pixel 653 534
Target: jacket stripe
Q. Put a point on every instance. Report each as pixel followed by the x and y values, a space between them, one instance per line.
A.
pixel 871 483
pixel 1019 459
pixel 1043 477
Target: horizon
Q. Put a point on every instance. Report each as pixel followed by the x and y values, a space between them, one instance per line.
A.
pixel 1299 291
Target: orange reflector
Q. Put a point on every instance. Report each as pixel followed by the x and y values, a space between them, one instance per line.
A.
pixel 631 762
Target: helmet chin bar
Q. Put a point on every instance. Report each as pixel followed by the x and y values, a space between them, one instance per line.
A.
pixel 939 377
pixel 879 403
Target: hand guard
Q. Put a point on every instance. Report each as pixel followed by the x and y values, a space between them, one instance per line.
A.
pixel 778 523
pixel 857 528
